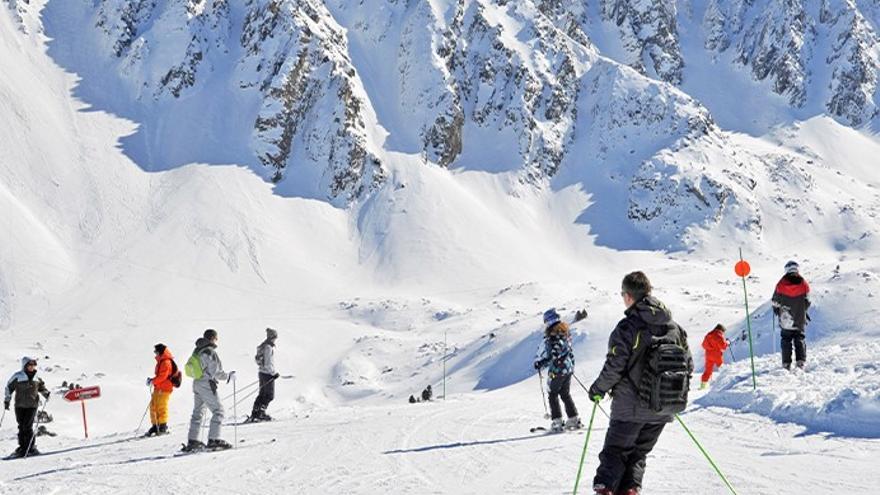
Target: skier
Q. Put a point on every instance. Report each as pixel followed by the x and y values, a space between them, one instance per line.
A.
pixel 790 304
pixel 558 356
pixel 162 387
pixel 714 343
pixel 427 394
pixel 205 368
pixel 265 359
pixel 27 388
pixel 634 427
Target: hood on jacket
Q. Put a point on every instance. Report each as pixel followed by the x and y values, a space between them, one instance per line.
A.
pixel 203 343
pixel 166 354
pixel 650 310
pixel 25 360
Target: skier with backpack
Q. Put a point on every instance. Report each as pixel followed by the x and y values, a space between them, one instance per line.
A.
pixel 164 381
pixel 27 388
pixel 714 345
pixel 205 368
pixel 647 370
pixel 791 300
pixel 558 357
pixel 267 375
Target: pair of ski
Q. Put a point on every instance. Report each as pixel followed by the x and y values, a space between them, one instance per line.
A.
pixel 548 431
pixel 184 452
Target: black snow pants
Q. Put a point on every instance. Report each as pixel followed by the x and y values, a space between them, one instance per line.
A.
pixel 25 417
pixel 266 395
pixel 793 338
pixel 622 460
pixel 559 388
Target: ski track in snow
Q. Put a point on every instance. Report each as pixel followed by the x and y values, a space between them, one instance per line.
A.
pixel 475 443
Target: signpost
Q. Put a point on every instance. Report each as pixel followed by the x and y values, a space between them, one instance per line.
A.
pixel 742 270
pixel 82 395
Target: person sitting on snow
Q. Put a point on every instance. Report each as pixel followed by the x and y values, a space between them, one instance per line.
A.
pixel 714 343
pixel 427 394
pixel 790 304
pixel 558 357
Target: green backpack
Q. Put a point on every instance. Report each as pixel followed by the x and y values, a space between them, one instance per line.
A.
pixel 193 367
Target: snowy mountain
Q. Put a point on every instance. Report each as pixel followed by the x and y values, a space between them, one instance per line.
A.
pixel 397 185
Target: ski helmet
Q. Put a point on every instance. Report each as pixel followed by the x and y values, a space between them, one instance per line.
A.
pixel 551 317
pixel 791 267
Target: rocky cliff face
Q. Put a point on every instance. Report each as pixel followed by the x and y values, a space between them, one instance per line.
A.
pixel 340 85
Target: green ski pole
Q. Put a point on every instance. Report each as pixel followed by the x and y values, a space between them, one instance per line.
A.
pixel 584 453
pixel 743 269
pixel 706 454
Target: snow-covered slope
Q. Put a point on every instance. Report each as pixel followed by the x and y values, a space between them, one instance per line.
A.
pixel 389 183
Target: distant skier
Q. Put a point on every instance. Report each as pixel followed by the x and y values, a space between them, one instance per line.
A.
pixel 267 375
pixel 27 388
pixel 558 357
pixel 163 384
pixel 206 370
pixel 427 394
pixel 637 377
pixel 790 304
pixel 714 343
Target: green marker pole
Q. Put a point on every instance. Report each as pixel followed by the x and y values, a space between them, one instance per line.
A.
pixel 749 325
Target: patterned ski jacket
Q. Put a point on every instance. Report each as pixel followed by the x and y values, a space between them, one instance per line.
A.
pixel 557 355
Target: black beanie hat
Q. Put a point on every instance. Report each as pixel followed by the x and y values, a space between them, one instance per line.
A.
pixel 159 348
pixel 210 334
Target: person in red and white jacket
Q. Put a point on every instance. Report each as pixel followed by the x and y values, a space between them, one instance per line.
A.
pixel 714 343
pixel 790 304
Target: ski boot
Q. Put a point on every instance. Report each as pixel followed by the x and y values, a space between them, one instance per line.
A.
pixel 573 423
pixel 218 444
pixel 152 432
pixel 632 491
pixel 162 429
pixel 194 446
pixel 801 365
pixel 556 425
pixel 787 366
pixel 601 490
pixel 33 452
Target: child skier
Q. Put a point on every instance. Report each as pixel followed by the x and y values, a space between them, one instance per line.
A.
pixel 27 388
pixel 714 343
pixel 558 357
pixel 163 385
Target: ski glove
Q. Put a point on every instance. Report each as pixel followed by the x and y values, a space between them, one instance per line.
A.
pixel 540 364
pixel 230 376
pixel 6 405
pixel 149 381
pixel 276 376
pixel 595 394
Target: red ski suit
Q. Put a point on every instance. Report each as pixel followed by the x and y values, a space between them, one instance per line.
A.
pixel 714 344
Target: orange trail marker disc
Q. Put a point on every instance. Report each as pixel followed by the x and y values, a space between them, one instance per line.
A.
pixel 742 268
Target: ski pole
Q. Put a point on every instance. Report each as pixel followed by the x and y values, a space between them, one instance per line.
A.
pixel 2 417
pixel 145 412
pixel 235 410
pixel 543 397
pixel 773 332
pixel 34 426
pixel 249 385
pixel 706 454
pixel 584 452
pixel 252 392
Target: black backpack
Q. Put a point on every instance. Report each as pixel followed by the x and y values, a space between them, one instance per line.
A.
pixel 666 375
pixel 176 377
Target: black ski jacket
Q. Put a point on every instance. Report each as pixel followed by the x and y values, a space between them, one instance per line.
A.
pixel 624 362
